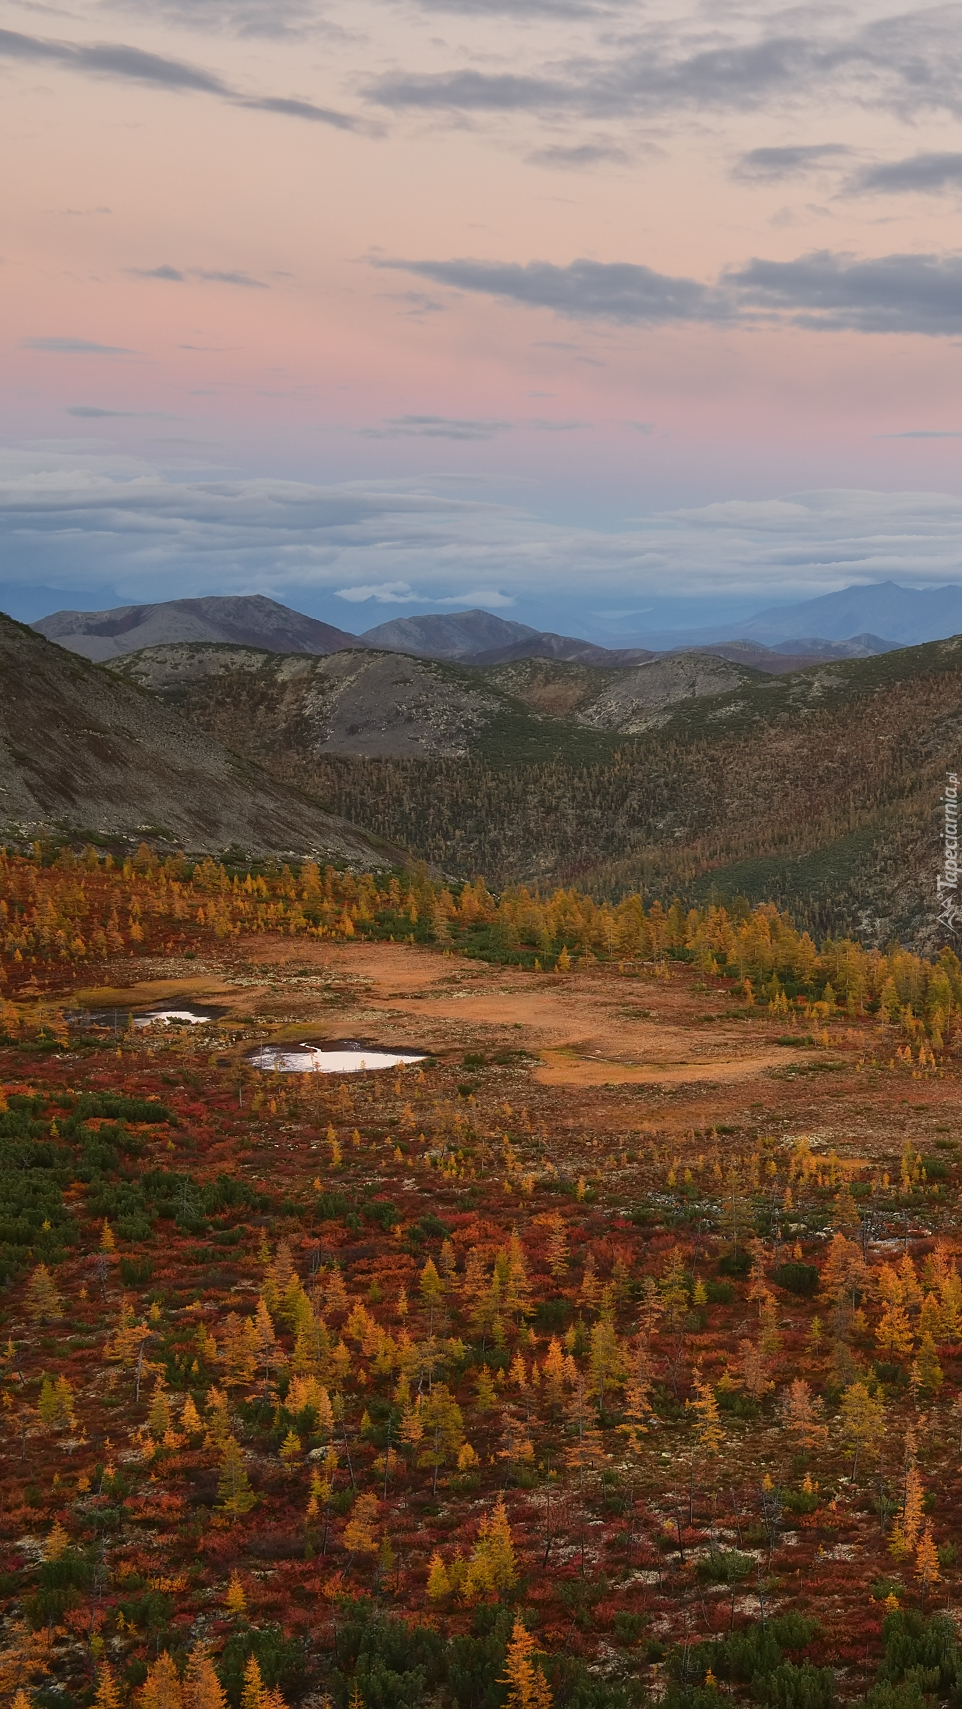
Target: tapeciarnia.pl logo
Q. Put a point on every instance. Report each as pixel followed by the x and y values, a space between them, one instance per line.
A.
pixel 947 881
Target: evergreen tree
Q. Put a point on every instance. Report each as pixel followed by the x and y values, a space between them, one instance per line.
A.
pixel 234 1494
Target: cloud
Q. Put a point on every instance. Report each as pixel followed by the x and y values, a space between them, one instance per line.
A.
pixel 126 64
pixel 892 293
pixel 299 110
pixel 69 519
pixel 772 164
pixel 470 91
pixel 910 63
pixel 436 427
pixel 178 276
pixel 401 593
pixel 418 303
pixel 925 433
pixel 581 157
pixel 271 18
pixel 548 9
pixel 75 347
pixel 172 274
pixel 388 593
pixel 619 291
pixel 491 597
pixel 93 412
pixel 543 426
pixel 823 291
pixel 919 174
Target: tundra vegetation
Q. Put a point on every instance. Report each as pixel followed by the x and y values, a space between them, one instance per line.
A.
pixel 405 1388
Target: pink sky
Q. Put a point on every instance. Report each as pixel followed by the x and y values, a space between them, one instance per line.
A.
pixel 248 232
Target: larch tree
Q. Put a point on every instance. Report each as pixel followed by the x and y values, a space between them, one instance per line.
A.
pixel 863 1421
pixel 359 1532
pixel 107 1694
pixel 202 1688
pixel 162 1688
pixel 802 1414
pixel 43 1301
pixel 527 1686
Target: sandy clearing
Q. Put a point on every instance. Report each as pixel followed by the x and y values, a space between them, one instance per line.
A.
pixel 585 1034
pixel 563 1070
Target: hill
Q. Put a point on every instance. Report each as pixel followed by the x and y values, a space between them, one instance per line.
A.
pixel 567 647
pixel 244 621
pixel 687 775
pixel 455 635
pixel 82 751
pixel 385 705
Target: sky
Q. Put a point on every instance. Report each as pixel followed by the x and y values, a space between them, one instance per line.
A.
pixel 607 317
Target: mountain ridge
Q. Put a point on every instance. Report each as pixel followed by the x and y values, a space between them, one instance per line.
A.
pixel 84 753
pixel 472 636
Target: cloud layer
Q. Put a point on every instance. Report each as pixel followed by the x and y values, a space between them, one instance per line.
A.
pixel 909 63
pixel 111 521
pixel 720 242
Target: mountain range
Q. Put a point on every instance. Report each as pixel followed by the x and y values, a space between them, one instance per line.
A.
pixel 461 637
pixel 691 772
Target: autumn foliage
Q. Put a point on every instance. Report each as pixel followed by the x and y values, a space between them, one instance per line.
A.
pixel 380 1390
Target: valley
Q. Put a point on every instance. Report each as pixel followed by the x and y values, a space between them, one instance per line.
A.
pixel 689 775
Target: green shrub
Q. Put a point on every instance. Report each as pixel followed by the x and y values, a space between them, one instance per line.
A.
pixel 281 1661
pixel 799 1500
pixel 797 1278
pixel 136 1271
pixel 330 1206
pixel 734 1263
pixel 725 1566
pixel 382 1212
pixel 796 1687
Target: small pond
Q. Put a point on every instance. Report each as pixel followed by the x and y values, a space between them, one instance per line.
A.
pixel 337 1056
pixel 119 1020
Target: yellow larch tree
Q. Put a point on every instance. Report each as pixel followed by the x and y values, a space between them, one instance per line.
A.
pixel 43 1301
pixel 162 1688
pixel 202 1688
pixel 527 1686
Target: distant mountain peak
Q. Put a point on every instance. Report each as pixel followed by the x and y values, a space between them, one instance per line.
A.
pixel 455 635
pixel 249 620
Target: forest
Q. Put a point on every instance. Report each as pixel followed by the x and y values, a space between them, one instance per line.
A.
pixel 397 1388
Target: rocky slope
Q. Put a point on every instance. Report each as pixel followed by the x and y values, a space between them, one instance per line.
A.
pixel 391 705
pixel 83 752
pixel 358 702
